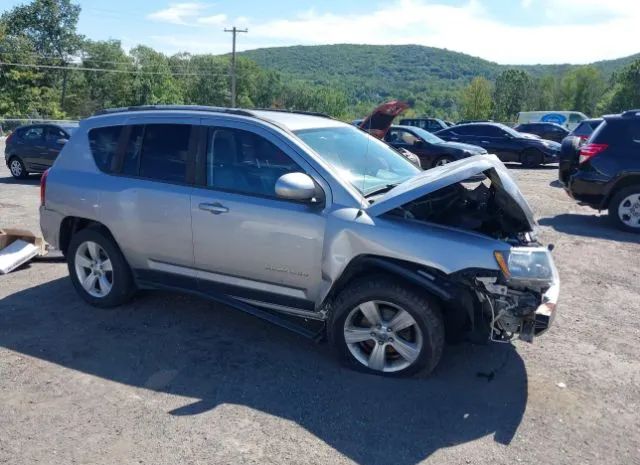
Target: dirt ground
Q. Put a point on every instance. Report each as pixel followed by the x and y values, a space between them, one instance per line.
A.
pixel 172 379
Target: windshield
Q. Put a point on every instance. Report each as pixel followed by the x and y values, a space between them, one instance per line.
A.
pixel 364 161
pixel 426 135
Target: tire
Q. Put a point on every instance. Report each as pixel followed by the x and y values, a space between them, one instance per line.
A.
pixel 531 158
pixel 117 274
pixel 443 160
pixel 419 346
pixel 624 209
pixel 17 168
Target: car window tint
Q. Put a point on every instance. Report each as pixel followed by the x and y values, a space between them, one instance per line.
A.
pixel 103 143
pixel 462 130
pixel 490 131
pixel 165 150
pixel 33 134
pixel 574 118
pixel 54 134
pixel 241 161
pixel 400 136
pixel 132 151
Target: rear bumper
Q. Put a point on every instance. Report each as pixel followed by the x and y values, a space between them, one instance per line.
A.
pixel 50 222
pixel 588 188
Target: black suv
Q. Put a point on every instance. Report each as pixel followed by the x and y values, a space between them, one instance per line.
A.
pixel 34 148
pixel 605 172
pixel 428 124
pixel 505 142
pixel 549 131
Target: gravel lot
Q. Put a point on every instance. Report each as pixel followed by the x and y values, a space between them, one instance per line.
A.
pixel 178 380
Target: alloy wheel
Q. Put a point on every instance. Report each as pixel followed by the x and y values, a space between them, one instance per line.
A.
pixel 93 269
pixel 383 336
pixel 629 210
pixel 15 167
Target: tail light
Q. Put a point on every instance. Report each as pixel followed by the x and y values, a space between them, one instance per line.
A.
pixel 589 151
pixel 43 187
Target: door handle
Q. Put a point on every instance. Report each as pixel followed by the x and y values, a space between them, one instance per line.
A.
pixel 215 208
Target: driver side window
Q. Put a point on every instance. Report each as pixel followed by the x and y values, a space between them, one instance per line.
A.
pixel 243 162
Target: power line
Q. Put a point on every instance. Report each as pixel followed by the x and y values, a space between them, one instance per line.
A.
pixel 107 70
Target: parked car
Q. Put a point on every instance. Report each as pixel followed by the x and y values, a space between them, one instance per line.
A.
pixel 509 145
pixel 586 128
pixel 34 148
pixel 548 131
pixel 569 119
pixel 605 172
pixel 285 215
pixel 428 124
pixel 431 150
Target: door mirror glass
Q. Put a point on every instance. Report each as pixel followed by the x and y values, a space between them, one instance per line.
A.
pixel 296 186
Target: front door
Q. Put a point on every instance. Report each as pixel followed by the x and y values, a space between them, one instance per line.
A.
pixel 248 243
pixel 31 148
pixel 53 138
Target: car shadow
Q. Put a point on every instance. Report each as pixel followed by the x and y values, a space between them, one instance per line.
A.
pixel 556 183
pixel 588 226
pixel 518 166
pixel 32 179
pixel 190 347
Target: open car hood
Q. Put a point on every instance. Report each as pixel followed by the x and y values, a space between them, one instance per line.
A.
pixel 505 211
pixel 379 121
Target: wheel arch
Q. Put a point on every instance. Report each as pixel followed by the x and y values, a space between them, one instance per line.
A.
pixel 456 301
pixel 622 182
pixel 71 225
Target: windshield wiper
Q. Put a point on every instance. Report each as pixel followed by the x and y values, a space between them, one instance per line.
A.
pixel 381 190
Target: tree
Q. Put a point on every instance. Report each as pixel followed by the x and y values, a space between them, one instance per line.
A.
pixel 476 99
pixel 511 94
pixel 625 92
pixel 544 95
pixel 582 89
pixel 154 83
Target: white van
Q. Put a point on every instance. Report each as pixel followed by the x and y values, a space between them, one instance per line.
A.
pixel 568 119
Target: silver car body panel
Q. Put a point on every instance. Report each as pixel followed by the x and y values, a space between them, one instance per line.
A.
pixel 270 245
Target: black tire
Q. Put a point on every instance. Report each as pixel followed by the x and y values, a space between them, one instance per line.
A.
pixel 440 160
pixel 531 158
pixel 422 307
pixel 123 286
pixel 24 174
pixel 615 203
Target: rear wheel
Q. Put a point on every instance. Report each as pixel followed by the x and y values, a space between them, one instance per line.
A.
pixel 624 209
pixel 98 270
pixel 531 158
pixel 444 160
pixel 17 168
pixel 384 327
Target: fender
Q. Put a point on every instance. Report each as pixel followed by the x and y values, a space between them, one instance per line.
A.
pixel 624 179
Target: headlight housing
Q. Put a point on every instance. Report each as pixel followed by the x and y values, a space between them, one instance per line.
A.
pixel 527 267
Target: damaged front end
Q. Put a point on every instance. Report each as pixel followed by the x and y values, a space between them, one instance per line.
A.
pixel 518 295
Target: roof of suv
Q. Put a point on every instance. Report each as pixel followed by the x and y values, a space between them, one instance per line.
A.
pixel 288 119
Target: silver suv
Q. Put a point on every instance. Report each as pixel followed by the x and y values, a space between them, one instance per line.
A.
pixel 302 220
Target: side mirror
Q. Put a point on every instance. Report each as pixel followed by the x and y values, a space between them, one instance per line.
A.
pixel 296 186
pixel 62 141
pixel 418 143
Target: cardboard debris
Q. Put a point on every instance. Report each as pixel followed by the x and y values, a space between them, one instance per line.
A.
pixel 17 247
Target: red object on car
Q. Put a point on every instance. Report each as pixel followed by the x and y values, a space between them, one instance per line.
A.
pixel 587 152
pixel 43 187
pixel 379 121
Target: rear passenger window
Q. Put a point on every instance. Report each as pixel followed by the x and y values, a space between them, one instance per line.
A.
pixel 243 162
pixel 132 151
pixel 165 150
pixel 104 145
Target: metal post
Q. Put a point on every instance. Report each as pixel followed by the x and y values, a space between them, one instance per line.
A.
pixel 234 31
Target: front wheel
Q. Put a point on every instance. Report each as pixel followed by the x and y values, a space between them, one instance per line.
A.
pixel 444 160
pixel 531 158
pixel 385 327
pixel 624 209
pixel 98 269
pixel 17 168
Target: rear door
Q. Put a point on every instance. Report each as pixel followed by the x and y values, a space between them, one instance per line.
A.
pixel 248 243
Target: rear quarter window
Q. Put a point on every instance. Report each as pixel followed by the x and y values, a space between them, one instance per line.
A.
pixel 616 132
pixel 104 146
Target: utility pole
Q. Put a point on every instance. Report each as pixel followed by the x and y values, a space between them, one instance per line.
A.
pixel 235 32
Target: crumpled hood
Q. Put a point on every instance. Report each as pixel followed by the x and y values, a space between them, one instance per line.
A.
pixel 436 178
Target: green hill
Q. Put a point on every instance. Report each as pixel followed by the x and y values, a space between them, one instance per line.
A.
pixel 371 73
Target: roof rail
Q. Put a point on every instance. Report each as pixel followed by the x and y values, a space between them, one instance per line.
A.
pixel 630 113
pixel 297 112
pixel 202 108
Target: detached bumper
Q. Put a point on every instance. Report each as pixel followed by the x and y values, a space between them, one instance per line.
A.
pixel 546 311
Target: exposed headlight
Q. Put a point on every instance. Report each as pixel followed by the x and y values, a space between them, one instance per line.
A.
pixel 527 266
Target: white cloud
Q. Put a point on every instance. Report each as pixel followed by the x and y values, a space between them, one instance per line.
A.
pixel 577 31
pixel 178 13
pixel 216 20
